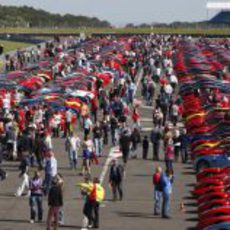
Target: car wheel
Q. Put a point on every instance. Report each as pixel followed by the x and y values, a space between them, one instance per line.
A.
pixel 201 166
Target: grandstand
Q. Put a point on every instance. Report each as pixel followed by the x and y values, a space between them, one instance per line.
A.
pixel 223 11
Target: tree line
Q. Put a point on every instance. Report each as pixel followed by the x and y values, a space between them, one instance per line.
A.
pixel 12 16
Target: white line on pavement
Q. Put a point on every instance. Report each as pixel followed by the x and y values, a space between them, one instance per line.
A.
pixel 115 149
pixel 146 129
pixel 146 119
pixel 146 107
pixel 114 153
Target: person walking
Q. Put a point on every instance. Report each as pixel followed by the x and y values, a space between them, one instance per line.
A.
pixel 85 190
pixel 24 183
pixel 61 210
pixel 3 173
pixel 155 139
pixel 185 140
pixel 115 179
pixel 50 170
pixel 72 146
pixel 87 124
pixel 96 196
pixel 55 202
pixel 36 197
pixel 145 148
pixel 68 120
pixel 125 142
pixel 177 144
pixel 97 139
pixel 88 149
pixel 113 128
pixel 136 118
pixel 166 182
pixel 157 190
pixel 169 154
pixel 135 140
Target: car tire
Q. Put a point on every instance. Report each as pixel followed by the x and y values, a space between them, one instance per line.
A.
pixel 202 165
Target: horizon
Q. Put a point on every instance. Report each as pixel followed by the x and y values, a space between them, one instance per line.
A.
pixel 119 13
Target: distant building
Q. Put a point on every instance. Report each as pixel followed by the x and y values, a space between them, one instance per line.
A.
pixel 223 8
pixel 221 17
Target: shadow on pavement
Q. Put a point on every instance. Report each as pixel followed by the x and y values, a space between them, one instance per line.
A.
pixel 21 221
pixel 189 198
pixel 191 204
pixel 7 195
pixel 189 167
pixel 191 211
pixel 189 173
pixel 193 219
pixel 135 215
pixel 142 175
pixel 191 185
pixel 191 228
pixel 14 221
pixel 71 227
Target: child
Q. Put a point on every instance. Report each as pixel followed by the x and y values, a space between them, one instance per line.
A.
pixel 145 146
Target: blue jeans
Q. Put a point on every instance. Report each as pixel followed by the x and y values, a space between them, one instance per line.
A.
pixel 169 164
pixel 36 200
pixel 113 136
pixel 165 205
pixel 72 159
pixel 184 155
pixel 157 201
pixel 48 182
pixel 98 146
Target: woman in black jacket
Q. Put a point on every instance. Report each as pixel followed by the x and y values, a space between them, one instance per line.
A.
pixel 55 202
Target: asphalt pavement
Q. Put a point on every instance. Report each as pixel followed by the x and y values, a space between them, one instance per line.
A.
pixel 135 212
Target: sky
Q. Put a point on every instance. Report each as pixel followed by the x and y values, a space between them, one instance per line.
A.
pixel 120 12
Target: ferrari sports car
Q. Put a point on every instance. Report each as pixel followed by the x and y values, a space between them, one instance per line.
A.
pixel 219 226
pixel 212 172
pixel 206 105
pixel 214 161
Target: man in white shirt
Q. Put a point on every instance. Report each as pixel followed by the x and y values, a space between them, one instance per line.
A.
pixel 72 144
pixel 6 104
pixel 50 170
pixel 56 124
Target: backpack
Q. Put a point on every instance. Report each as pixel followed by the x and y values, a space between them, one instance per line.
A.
pixel 161 185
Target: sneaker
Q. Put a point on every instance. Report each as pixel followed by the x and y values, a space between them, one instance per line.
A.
pixel 32 221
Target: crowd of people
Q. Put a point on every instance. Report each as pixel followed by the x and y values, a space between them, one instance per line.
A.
pixel 28 126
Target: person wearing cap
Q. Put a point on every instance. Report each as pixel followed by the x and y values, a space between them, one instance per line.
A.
pixel 115 179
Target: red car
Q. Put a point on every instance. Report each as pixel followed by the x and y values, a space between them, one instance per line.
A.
pixel 212 204
pixel 211 221
pixel 212 171
pixel 217 211
pixel 212 196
